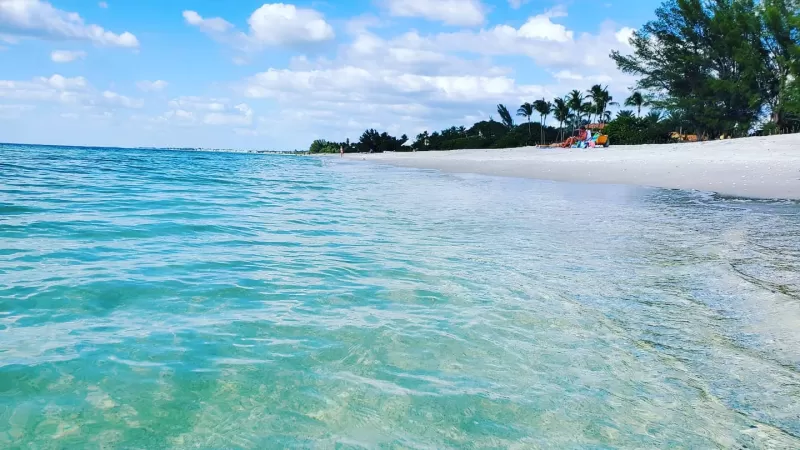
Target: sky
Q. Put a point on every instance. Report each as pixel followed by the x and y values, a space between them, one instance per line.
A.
pixel 253 75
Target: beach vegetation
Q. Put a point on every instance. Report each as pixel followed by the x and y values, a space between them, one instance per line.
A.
pixel 703 69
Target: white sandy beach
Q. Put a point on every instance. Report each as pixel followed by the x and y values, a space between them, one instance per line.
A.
pixel 757 167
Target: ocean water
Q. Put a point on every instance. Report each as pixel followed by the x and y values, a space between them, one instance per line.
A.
pixel 162 299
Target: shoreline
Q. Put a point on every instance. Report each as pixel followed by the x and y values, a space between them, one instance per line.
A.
pixel 756 167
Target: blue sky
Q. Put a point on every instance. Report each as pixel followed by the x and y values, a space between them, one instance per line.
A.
pixel 249 74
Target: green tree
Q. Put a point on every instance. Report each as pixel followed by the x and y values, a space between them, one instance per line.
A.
pixel 625 114
pixel 526 110
pixel 585 111
pixel 575 102
pixel 543 107
pixel 317 146
pixel 597 95
pixel 505 116
pixel 602 101
pixel 372 141
pixel 421 143
pixel 653 117
pixel 704 58
pixel 780 21
pixel 561 112
pixel 636 100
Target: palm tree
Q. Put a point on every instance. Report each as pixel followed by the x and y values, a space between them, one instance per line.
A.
pixel 585 111
pixel 526 110
pixel 603 100
pixel 654 117
pixel 561 113
pixel 625 114
pixel 597 95
pixel 505 116
pixel 636 99
pixel 575 102
pixel 543 107
pixel 676 119
pixel 547 110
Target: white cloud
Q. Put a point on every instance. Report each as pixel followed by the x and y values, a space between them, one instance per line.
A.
pixel 273 24
pixel 56 88
pixel 361 86
pixel 115 99
pixel 71 116
pixel 198 104
pixel 517 4
pixel 567 75
pixel 549 45
pixel 277 24
pixel 39 19
pixel 244 117
pixel 65 92
pixel 103 5
pixel 450 12
pixel 65 56
pixel 413 82
pixel 214 24
pixel 194 111
pixel 186 115
pixel 624 36
pixel 62 83
pixel 541 28
pixel 151 86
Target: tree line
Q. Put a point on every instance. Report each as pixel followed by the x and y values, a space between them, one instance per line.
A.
pixel 725 67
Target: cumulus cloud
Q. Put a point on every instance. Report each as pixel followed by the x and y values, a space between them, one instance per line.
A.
pixel 195 111
pixel 55 89
pixel 347 81
pixel 542 28
pixel 449 12
pixel 272 24
pixel 151 86
pixel 211 25
pixel 624 36
pixel 278 24
pixel 517 4
pixel 71 93
pixel 62 83
pixel 242 117
pixel 198 103
pixel 65 56
pixel 39 19
pixel 413 82
pixel 115 99
pixel 548 44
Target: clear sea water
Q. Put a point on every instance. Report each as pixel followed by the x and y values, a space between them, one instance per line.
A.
pixel 161 299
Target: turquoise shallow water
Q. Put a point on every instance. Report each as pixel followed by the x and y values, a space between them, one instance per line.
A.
pixel 156 299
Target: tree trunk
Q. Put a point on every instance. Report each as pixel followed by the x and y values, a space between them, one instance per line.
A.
pixel 541 128
pixel 530 133
pixel 544 133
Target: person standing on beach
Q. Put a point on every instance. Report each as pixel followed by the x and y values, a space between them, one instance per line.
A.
pixel 341 151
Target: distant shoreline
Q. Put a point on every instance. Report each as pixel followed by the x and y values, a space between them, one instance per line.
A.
pixel 756 167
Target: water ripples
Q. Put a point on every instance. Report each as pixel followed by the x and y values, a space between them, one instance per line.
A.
pixel 162 299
